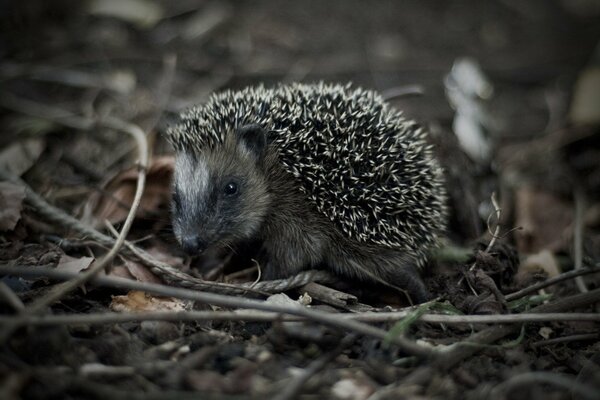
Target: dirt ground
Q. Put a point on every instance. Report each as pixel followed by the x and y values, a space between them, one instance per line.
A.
pixel 510 93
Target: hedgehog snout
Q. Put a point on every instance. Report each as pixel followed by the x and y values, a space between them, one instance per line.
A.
pixel 193 244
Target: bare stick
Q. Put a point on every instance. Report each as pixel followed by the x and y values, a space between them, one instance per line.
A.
pixel 566 339
pixel 265 316
pixel 10 297
pixel 328 319
pixel 549 282
pixel 494 333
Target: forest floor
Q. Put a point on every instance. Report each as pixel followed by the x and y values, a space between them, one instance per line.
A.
pixel 510 92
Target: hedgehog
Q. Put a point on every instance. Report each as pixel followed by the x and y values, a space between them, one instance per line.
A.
pixel 323 176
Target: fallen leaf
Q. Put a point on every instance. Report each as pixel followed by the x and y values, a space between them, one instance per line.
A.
pixel 545 332
pixel 120 271
pixel 543 218
pixel 11 205
pixel 141 273
pixel 542 261
pixel 283 299
pixel 137 301
pixel 120 191
pixel 20 156
pixel 68 263
pixel 165 256
pixel 530 268
pixel 352 389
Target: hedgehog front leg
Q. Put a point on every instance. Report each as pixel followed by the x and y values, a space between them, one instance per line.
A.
pixel 291 252
pixel 386 267
pixel 408 278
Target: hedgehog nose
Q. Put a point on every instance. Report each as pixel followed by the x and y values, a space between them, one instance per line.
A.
pixel 193 244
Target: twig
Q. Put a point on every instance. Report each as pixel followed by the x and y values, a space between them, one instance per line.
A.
pixel 549 282
pixel 497 211
pixel 328 319
pixel 490 335
pixel 140 138
pixel 569 383
pixel 494 333
pixel 10 297
pixel 328 295
pixel 265 316
pixel 58 292
pixel 578 238
pixel 566 339
pixel 293 388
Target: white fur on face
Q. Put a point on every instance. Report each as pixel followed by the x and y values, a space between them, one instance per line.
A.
pixel 192 179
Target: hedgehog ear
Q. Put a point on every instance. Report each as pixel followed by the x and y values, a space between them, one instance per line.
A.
pixel 254 139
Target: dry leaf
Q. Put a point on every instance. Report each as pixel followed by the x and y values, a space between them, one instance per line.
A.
pixel 120 271
pixel 544 261
pixel 141 273
pixel 546 332
pixel 136 301
pixel 121 189
pixel 11 205
pixel 68 263
pixel 20 156
pixel 543 217
pixel 165 256
pixel 352 389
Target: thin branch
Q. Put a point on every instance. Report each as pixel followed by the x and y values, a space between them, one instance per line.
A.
pixel 477 341
pixel 140 138
pixel 80 279
pixel 549 282
pixel 498 212
pixel 265 316
pixel 566 339
pixel 11 298
pixel 324 318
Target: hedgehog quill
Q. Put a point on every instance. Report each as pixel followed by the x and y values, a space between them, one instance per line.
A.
pixel 323 175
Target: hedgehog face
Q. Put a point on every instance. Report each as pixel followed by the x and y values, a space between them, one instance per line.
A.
pixel 220 194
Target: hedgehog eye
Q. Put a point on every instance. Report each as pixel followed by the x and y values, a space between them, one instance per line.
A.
pixel 230 189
